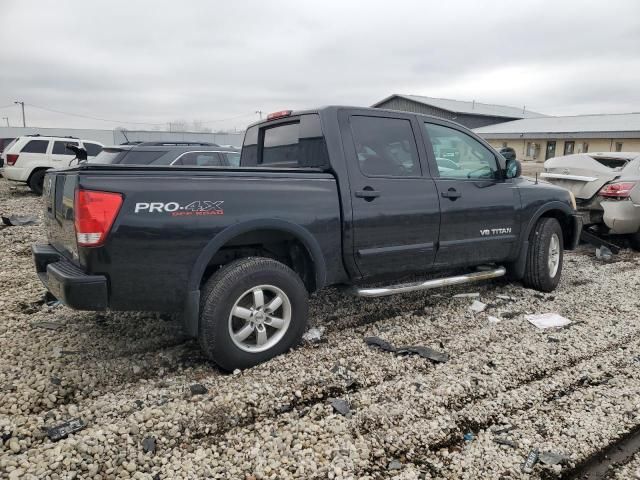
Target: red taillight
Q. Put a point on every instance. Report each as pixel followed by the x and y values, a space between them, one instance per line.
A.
pixel 12 158
pixel 619 189
pixel 280 114
pixel 94 215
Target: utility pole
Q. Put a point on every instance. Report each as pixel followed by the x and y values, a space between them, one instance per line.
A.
pixel 7 120
pixel 260 112
pixel 24 122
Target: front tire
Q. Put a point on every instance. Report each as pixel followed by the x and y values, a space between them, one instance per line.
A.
pixel 634 241
pixel 251 310
pixel 545 255
pixel 36 181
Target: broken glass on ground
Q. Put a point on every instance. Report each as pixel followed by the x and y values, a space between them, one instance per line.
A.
pixel 477 307
pixel 552 458
pixel 547 320
pixel 424 352
pixel 341 406
pixel 313 335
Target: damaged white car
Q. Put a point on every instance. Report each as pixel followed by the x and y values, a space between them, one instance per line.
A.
pixel 607 190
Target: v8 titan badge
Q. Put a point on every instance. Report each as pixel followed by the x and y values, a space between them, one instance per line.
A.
pixel 174 209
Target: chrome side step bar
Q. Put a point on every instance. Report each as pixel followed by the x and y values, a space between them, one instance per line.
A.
pixel 435 283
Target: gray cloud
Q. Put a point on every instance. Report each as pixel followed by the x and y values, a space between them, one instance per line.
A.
pixel 158 61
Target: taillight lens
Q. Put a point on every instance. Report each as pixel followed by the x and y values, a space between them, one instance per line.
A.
pixel 94 215
pixel 618 189
pixel 12 158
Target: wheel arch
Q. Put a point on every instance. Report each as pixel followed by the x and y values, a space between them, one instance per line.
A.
pixel 561 212
pixel 289 229
pixel 558 210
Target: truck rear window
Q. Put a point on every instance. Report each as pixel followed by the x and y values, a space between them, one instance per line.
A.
pixel 297 142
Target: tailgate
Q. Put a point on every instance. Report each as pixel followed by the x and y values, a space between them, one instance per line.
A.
pixel 58 195
pixel 580 174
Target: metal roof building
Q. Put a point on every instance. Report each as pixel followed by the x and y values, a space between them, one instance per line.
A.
pixel 470 114
pixel 623 125
pixel 542 138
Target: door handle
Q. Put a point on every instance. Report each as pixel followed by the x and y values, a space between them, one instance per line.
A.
pixel 368 193
pixel 451 194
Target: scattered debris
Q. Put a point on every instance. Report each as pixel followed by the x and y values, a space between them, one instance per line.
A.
pixel 341 406
pixel 547 320
pixel 467 295
pixel 136 369
pixel 468 437
pixel 477 307
pixel 19 220
pixel 394 465
pixel 604 253
pixel 56 381
pixel 424 352
pixel 313 335
pixel 506 298
pixel 198 389
pixel 494 319
pixel 503 429
pixel 504 441
pixel 551 458
pixel 47 325
pixel 530 461
pixel 54 303
pixel 149 445
pixel 378 342
pixel 65 429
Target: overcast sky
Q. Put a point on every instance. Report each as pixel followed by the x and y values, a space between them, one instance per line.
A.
pixel 160 61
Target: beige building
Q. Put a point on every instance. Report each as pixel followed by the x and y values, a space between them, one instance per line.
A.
pixel 546 137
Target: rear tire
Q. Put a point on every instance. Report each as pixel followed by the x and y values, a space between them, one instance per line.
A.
pixel 251 310
pixel 634 241
pixel 36 181
pixel 545 255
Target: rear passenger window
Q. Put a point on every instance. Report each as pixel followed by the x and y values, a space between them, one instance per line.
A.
pixel 233 158
pixel 385 146
pixel 92 149
pixel 200 159
pixel 281 145
pixel 35 146
pixel 60 148
pixel 297 143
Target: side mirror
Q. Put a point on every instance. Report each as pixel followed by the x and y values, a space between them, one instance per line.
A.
pixel 514 169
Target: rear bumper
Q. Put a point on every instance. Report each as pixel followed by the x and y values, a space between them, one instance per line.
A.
pixel 17 174
pixel 621 216
pixel 67 282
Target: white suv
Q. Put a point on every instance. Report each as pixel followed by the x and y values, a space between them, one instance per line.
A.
pixel 27 158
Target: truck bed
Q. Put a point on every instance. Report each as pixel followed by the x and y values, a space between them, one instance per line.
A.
pixel 170 216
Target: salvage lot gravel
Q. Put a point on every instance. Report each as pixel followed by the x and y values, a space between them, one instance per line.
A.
pixel 570 391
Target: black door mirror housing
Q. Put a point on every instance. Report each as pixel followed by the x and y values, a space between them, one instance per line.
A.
pixel 514 169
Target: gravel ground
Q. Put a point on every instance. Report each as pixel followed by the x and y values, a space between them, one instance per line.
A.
pixel 570 391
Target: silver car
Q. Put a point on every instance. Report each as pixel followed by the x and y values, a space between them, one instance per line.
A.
pixel 606 187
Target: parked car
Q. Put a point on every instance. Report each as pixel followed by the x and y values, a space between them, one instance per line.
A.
pixel 607 189
pixel 28 157
pixel 170 153
pixel 335 196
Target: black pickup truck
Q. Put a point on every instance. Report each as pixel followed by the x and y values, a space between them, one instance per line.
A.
pixel 334 196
